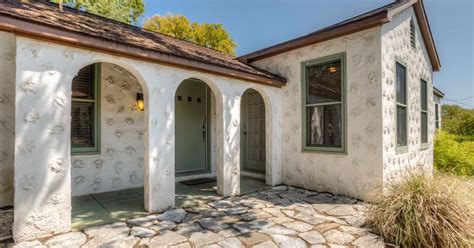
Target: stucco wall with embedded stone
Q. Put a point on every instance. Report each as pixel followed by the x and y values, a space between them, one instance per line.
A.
pixel 42 162
pixel 396 44
pixel 7 117
pixel 119 165
pixel 360 169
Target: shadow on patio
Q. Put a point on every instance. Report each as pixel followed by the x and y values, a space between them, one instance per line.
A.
pixel 102 208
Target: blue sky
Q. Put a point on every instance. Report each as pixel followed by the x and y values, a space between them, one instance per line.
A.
pixel 256 24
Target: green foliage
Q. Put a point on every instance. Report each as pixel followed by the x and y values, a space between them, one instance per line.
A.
pixel 454 153
pixel 126 11
pixel 420 210
pixel 457 120
pixel 205 34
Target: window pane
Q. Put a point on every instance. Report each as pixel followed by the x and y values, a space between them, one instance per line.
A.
pixel 424 127
pixel 324 83
pixel 401 126
pixel 82 124
pixel 324 127
pixel 424 95
pixel 401 83
pixel 83 83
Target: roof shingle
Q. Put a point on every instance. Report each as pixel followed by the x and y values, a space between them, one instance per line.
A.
pixel 77 21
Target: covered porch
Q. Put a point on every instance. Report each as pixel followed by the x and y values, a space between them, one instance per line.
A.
pixel 103 208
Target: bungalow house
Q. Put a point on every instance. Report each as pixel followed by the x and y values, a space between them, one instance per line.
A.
pixel 93 105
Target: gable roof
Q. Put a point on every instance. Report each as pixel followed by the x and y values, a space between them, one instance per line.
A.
pixel 373 18
pixel 40 19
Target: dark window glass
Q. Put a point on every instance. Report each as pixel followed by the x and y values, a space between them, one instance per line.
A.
pixel 83 83
pixel 84 110
pixel 424 111
pixel 401 84
pixel 401 126
pixel 424 95
pixel 324 127
pixel 424 127
pixel 324 83
pixel 401 105
pixel 82 124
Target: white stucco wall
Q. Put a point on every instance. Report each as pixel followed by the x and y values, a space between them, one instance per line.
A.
pixel 396 44
pixel 44 72
pixel 119 165
pixel 7 117
pixel 360 169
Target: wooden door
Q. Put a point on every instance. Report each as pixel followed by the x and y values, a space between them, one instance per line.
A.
pixel 253 132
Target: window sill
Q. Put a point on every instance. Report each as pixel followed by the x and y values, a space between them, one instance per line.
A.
pixel 326 150
pixel 401 149
pixel 80 153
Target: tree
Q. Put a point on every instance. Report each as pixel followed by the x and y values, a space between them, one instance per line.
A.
pixel 126 11
pixel 458 120
pixel 205 34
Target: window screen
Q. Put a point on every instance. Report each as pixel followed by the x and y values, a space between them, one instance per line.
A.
pixel 84 110
pixel 401 85
pixel 424 111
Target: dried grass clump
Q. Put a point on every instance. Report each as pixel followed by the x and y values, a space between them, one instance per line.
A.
pixel 421 210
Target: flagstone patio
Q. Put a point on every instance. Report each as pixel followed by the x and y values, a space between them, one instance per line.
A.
pixel 281 216
pixel 109 207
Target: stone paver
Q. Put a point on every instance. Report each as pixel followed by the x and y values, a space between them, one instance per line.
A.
pixel 142 232
pixel 313 237
pixel 288 242
pixel 163 226
pixel 338 237
pixel 167 238
pixel 282 216
pixel 204 238
pixel 254 238
pixel 175 215
pixel 72 239
pixel 298 226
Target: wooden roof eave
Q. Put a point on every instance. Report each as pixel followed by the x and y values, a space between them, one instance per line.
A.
pixel 52 34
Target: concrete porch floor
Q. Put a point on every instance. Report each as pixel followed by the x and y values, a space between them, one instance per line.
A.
pixel 103 208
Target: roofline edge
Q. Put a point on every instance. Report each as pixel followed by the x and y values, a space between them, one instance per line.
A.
pixel 51 34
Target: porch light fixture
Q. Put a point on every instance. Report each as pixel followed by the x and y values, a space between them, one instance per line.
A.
pixel 332 69
pixel 140 102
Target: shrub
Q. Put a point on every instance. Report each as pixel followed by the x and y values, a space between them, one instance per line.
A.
pixel 423 211
pixel 454 153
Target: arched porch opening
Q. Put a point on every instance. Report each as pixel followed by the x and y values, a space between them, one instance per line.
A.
pixel 195 142
pixel 254 131
pixel 108 145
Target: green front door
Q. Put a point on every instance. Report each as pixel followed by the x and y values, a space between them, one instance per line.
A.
pixel 191 128
pixel 253 132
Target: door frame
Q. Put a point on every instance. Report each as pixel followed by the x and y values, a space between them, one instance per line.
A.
pixel 207 155
pixel 243 143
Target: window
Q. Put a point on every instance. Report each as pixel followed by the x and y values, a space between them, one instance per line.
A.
pixel 437 115
pixel 324 104
pixel 85 110
pixel 401 84
pixel 424 111
pixel 412 33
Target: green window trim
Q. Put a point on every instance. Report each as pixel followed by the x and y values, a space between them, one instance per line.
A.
pixel 424 145
pixel 404 148
pixel 96 148
pixel 324 149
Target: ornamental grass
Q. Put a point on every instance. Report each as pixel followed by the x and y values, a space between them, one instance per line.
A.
pixel 423 210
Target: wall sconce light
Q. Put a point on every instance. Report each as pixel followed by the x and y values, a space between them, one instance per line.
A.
pixel 140 102
pixel 332 69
